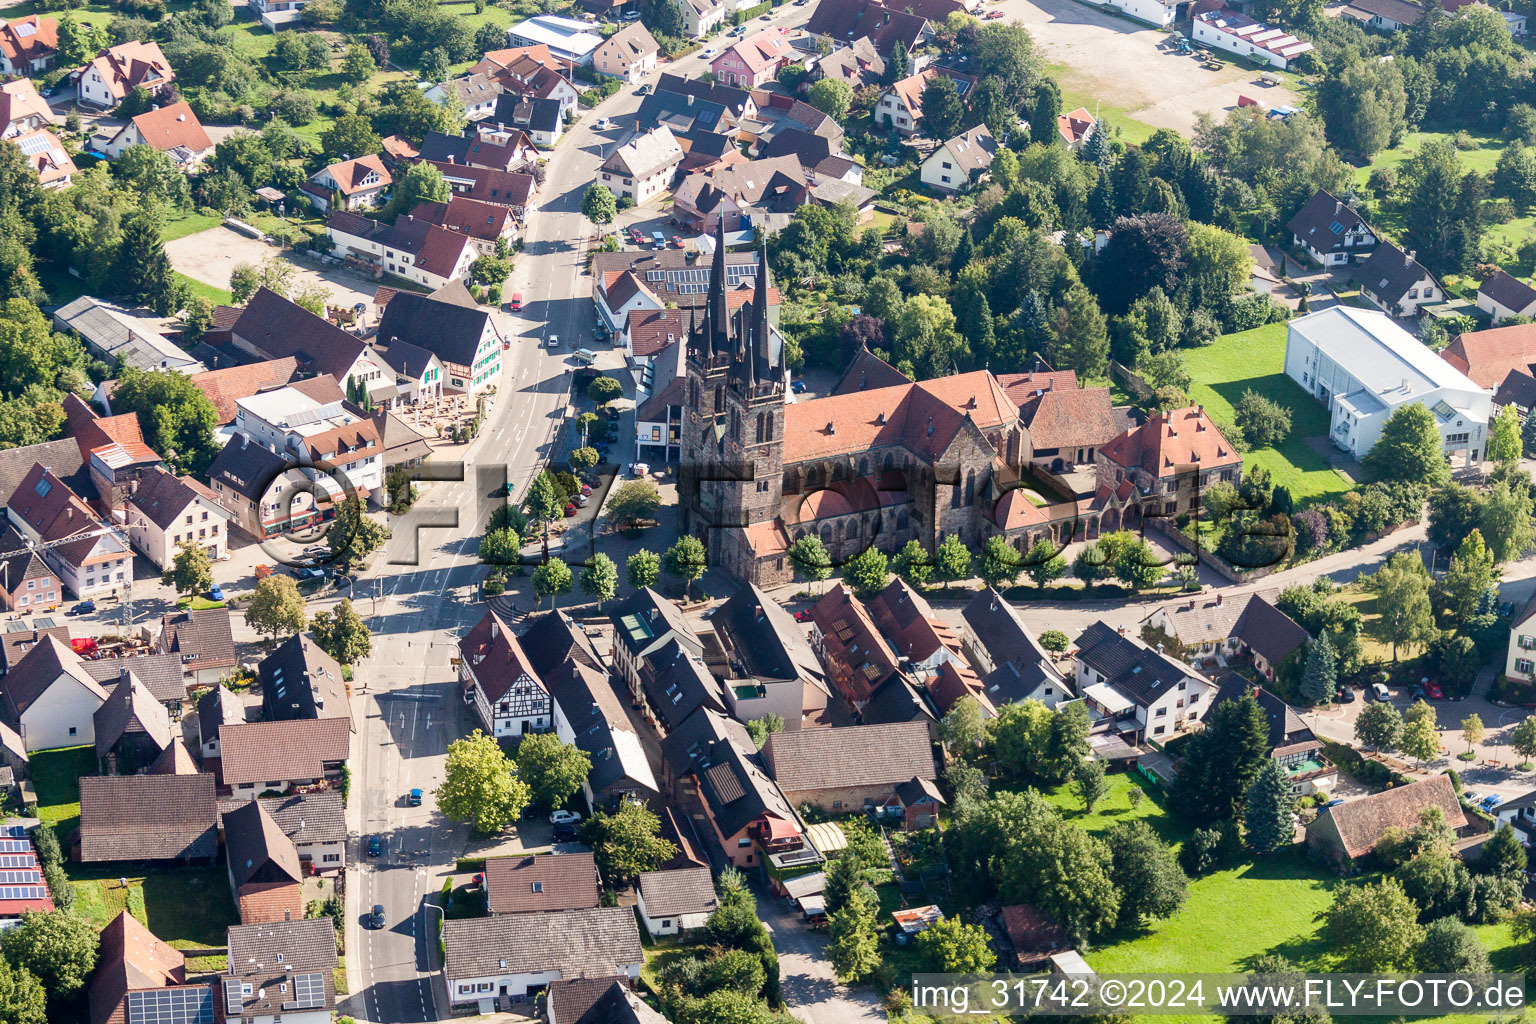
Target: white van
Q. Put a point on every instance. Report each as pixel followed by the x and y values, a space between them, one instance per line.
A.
pixel 585 356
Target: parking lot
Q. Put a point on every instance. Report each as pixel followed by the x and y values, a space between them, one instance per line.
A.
pixel 209 256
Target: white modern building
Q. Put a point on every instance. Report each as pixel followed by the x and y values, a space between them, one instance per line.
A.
pixel 1362 366
pixel 1241 35
pixel 309 424
pixel 567 39
pixel 1157 13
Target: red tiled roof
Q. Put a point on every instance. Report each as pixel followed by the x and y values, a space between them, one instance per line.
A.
pixel 1074 127
pixel 174 126
pixel 350 174
pixel 22 47
pixel 1022 386
pixel 1173 440
pixel 652 330
pixel 1077 418
pixel 1489 356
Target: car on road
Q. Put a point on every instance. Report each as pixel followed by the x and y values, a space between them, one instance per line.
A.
pixel 215 593
pixel 644 90
pixel 739 30
pixel 375 846
pixel 994 15
pixel 1433 691
pixel 803 615
pixel 376 919
pixel 516 305
pixel 602 124
pixel 554 341
pixel 570 510
pixel 798 387
pixel 308 576
pixel 83 608
pixel 564 817
pixel 1346 695
pixel 414 799
pixel 1489 802
pixel 766 17
pixel 677 243
pixel 636 236
pixel 710 53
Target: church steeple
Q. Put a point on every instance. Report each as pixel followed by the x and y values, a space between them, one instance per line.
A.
pixel 717 319
pixel 761 338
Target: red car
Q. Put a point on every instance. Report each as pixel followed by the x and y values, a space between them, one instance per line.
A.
pixel 994 15
pixel 677 243
pixel 636 237
pixel 1433 691
pixel 803 615
pixel 570 510
pixel 586 490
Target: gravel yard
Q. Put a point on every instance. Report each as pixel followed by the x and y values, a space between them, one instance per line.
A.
pixel 209 256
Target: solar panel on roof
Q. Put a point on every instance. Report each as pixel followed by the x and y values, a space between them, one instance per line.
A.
pixel 14 846
pixel 308 992
pixel 25 30
pixel 36 144
pixel 23 892
pixel 192 1004
pixel 16 626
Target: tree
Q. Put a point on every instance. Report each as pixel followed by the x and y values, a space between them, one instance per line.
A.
pixel 1088 782
pixel 1222 760
pixel 1145 251
pixel 999 565
pixel 1373 928
pixel 342 633
pixel 276 607
pixel 627 842
pixel 1506 520
pixel 350 135
pixel 153 175
pixel 177 417
pixel 1079 337
pixel 1151 883
pixel 1528 433
pixel 1264 422
pixel 551 579
pixel 867 572
pixel 598 204
pixel 481 785
pixel 353 534
pixel 632 503
pixel 855 946
pixel 1504 443
pixel 1045 563
pixel 1472 730
pixel 1043 112
pixel 1421 741
pixel 1091 565
pixel 600 578
pixel 643 568
pixel 1137 566
pixel 1503 854
pixel 58 949
pixel 1522 738
pixel 1470 575
pixel 685 561
pixel 1055 641
pixel 22 999
pixel 1270 819
pixel 1402 600
pixel 191 571
pixel 79 42
pixel 1380 726
pixel 243 282
pixel 603 390
pixel 357 65
pixel 143 270
pixel 897 65
pixel 664 17
pixel 553 770
pixel 761 728
pixel 914 565
pixel 1006 52
pixel 954 947
pixel 831 96
pixel 1363 104
pixel 942 109
pixel 422 183
pixel 810 559
pixel 1410 448
pixel 963 730
pixel 584 458
pixel 1320 678
pixel 1450 947
pixel 952 560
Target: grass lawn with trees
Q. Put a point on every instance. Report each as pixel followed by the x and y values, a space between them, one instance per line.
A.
pixel 1255 361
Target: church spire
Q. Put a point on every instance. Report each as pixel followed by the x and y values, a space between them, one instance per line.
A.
pixel 718 321
pixel 761 342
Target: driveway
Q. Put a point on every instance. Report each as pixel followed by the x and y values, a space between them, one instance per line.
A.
pixel 209 256
pixel 810 988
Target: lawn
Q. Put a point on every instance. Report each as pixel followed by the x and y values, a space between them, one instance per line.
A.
pixel 1254 361
pixel 1116 807
pixel 56 780
pixel 1131 130
pixel 217 296
pixel 184 906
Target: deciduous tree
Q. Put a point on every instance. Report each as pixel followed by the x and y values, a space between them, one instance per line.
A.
pixel 867 572
pixel 1506 519
pixel 1410 448
pixel 1373 928
pixel 1504 444
pixel 914 565
pixel 1379 725
pixel 1402 602
pixel 643 568
pixel 953 946
pixel 553 769
pixel 191 571
pixel 598 204
pixel 481 785
pixel 999 565
pixel 342 633
pixel 551 579
pixel 600 578
pixel 276 607
pixel 685 561
pixel 22 999
pixel 1145 870
pixel 1088 782
pixel 855 946
pixel 627 842
pixel 632 503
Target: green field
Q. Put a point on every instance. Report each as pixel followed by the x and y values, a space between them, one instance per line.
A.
pixel 189 906
pixel 55 778
pixel 1254 361
pixel 1131 130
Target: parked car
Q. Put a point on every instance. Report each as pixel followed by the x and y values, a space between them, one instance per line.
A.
pixel 570 510
pixel 1346 695
pixel 83 608
pixel 677 242
pixel 414 799
pixel 644 90
pixel 564 817
pixel 516 304
pixel 376 919
pixel 610 413
pixel 798 387
pixel 375 846
pixel 582 501
pixel 263 571
pixel 803 615
pixel 710 53
pixel 1379 693
pixel 1489 802
pixel 636 237
pixel 308 576
pixel 1433 691
pixel 215 593
pixel 994 15
pixel 586 489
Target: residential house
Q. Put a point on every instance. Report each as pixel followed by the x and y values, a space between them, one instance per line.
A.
pixel 859 64
pixel 1173 457
pixel 28 44
pixel 311 426
pixel 490 960
pixel 26 582
pixel 1363 367
pixel 720 782
pixel 300 681
pixel 1501 360
pixel 1226 29
pixel 959 163
pixel 1518 812
pixel 23 110
pixel 356 184
pixel 258 756
pixel 899 699
pixel 530 885
pixel 854 769
pixel 132 728
pixel 165 510
pixel 316 823
pixel 1520 655
pixel 628 54
pixel 842 23
pixel 512 189
pixel 676 901
pixel 857 658
pixel 644 623
pixel 118 70
pixel 1151 695
pixel 224 386
pixel 264 872
pixel 1014 667
pixel 215 709
pixel 1291 743
pixel 590 713
pixel 542 120
pixel 46 155
pixel 112 334
pixel 765 660
pixel 272 327
pixel 463 338
pixel 417 251
pixel 705 129
pixel 929 648
pixel 642 168
pixel 114 452
pixel 901 106
pixel 659 416
pixel 1076 127
pixel 567 39
pixel 1157 13
pixel 507 694
pixel 484 223
pixel 1384 15
pixel 418 378
pixel 51 697
pixel 89 557
pixel 264 494
pixel 160 674
pixel 173 130
pixel 754 60
pixel 17 643
pixel 1330 231
pixel 274 14
pixel 139 978
pixel 675 683
pixel 1349 831
pixel 1397 283
pixel 756 194
pixel 531 75
pixel 820 160
pixel 740 102
pixel 203 640
pixel 702 17
pixel 281 971
pixel 1215 627
pixel 1503 295
pixel 476 93
pixel 598 1000
pixel 148 818
pixel 486 147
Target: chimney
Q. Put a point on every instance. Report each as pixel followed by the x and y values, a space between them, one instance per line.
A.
pixel 690 99
pixel 1218 600
pixel 1338 206
pixel 1122 631
pixel 1159 647
pixel 1408 258
pixel 831 428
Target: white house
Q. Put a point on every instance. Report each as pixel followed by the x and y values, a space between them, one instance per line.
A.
pixel 568 39
pixel 476 91
pixel 310 424
pixel 679 900
pixel 173 130
pixel 1330 231
pixel 1504 295
pixel 461 334
pixel 1363 367
pixel 488 960
pixel 1154 12
pixel 1148 694
pixel 357 184
pixel 274 14
pixel 280 971
pixel 508 695
pixel 642 168
pixel 1520 658
pixel 92 558
pixel 1239 34
pixel 703 17
pixel 959 163
pixel 317 824
pixel 166 511
pixel 52 697
pixel 120 69
pixel 416 250
pixel 628 54
pixel 1396 282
